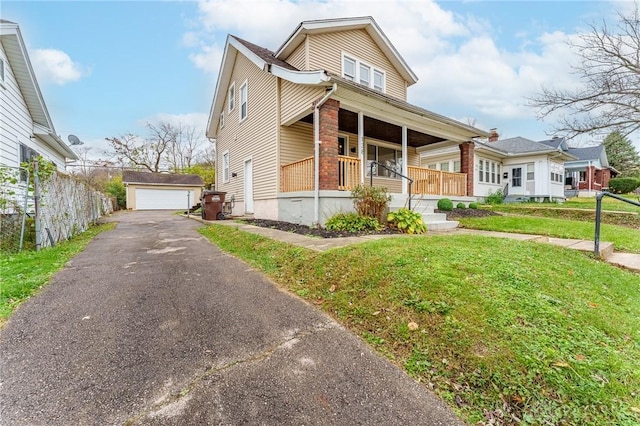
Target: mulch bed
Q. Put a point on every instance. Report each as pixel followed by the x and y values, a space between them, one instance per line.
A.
pixel 325 233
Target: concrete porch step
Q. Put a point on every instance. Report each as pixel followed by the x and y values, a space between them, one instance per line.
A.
pixel 442 225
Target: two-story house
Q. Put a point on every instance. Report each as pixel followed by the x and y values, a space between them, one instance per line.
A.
pixel 26 128
pixel 298 127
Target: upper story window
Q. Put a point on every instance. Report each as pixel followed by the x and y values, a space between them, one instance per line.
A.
pixel 243 101
pixel 349 68
pixel 232 97
pixel 355 70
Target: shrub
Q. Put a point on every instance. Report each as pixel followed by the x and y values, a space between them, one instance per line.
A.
pixel 371 201
pixel 494 197
pixel 407 221
pixel 445 204
pixel 352 222
pixel 623 185
pixel 460 206
pixel 116 188
pixel 473 205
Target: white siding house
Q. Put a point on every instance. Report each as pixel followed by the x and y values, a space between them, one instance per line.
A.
pixel 26 129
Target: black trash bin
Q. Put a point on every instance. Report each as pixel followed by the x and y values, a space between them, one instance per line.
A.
pixel 212 202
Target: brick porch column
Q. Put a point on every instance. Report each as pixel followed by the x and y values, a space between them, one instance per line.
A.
pixel 329 144
pixel 466 164
pixel 606 177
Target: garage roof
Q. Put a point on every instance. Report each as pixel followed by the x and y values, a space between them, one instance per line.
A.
pixel 149 178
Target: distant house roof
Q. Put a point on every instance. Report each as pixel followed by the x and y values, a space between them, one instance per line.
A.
pixel 587 153
pixel 149 178
pixel 520 145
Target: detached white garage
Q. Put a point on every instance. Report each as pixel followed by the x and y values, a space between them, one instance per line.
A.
pixel 161 191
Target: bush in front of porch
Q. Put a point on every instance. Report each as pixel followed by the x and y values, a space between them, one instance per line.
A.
pixel 371 201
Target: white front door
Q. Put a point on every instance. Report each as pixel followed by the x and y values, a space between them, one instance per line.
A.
pixel 248 186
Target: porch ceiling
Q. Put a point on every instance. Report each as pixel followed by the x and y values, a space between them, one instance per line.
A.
pixel 378 129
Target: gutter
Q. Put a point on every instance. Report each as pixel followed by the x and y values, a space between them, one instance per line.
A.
pixel 316 153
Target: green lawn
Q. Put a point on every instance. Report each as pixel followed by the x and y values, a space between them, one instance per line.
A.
pixel 624 238
pixel 589 203
pixel 23 273
pixel 540 333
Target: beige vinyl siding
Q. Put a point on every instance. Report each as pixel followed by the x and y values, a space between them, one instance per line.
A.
pixel 298 57
pixel 296 142
pixel 16 124
pixel 297 100
pixel 325 52
pixel 254 138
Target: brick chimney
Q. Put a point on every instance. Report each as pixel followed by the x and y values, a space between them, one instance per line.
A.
pixel 493 135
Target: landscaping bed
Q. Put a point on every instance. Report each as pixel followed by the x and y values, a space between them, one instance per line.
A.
pixel 326 233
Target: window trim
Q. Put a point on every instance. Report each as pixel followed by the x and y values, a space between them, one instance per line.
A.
pixel 356 77
pixel 244 101
pixel 226 166
pixel 232 97
pixel 222 120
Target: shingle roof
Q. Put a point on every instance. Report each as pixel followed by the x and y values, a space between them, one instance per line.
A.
pixel 518 145
pixel 266 54
pixel 553 143
pixel 587 153
pixel 129 176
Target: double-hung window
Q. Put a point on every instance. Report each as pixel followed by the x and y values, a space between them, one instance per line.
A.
pixel 225 167
pixel 481 171
pixel 530 173
pixel 355 70
pixel 349 68
pixel 243 101
pixel 232 96
pixel 222 120
pixel 365 75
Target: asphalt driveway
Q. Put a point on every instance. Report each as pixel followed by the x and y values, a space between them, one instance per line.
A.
pixel 152 324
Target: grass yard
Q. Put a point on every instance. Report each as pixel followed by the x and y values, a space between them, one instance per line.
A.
pixel 504 331
pixel 23 273
pixel 608 203
pixel 624 238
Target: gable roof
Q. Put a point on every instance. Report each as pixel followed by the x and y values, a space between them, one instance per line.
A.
pixel 129 176
pixel 366 23
pixel 589 153
pixel 14 47
pixel 268 61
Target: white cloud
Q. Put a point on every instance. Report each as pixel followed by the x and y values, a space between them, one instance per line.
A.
pixel 460 66
pixel 56 66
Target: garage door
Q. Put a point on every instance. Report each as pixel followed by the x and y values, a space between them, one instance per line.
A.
pixel 163 199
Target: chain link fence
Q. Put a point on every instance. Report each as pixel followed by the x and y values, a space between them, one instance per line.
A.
pixel 52 211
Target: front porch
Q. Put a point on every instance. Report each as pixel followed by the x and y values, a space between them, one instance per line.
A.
pixel 299 176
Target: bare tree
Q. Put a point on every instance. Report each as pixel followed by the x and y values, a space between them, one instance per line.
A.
pixel 148 153
pixel 608 98
pixel 182 153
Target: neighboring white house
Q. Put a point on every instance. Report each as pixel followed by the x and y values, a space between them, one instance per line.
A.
pixel 26 129
pixel 521 168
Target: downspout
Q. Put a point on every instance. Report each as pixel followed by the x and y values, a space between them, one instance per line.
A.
pixel 316 154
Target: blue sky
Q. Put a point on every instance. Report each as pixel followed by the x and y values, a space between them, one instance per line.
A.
pixel 107 67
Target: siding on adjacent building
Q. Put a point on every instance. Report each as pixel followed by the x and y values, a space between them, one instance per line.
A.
pixel 325 52
pixel 16 124
pixel 297 100
pixel 255 138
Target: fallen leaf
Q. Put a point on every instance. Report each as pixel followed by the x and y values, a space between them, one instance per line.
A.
pixel 580 357
pixel 332 288
pixel 376 313
pixel 412 326
pixel 560 364
pixel 593 305
pixel 319 301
